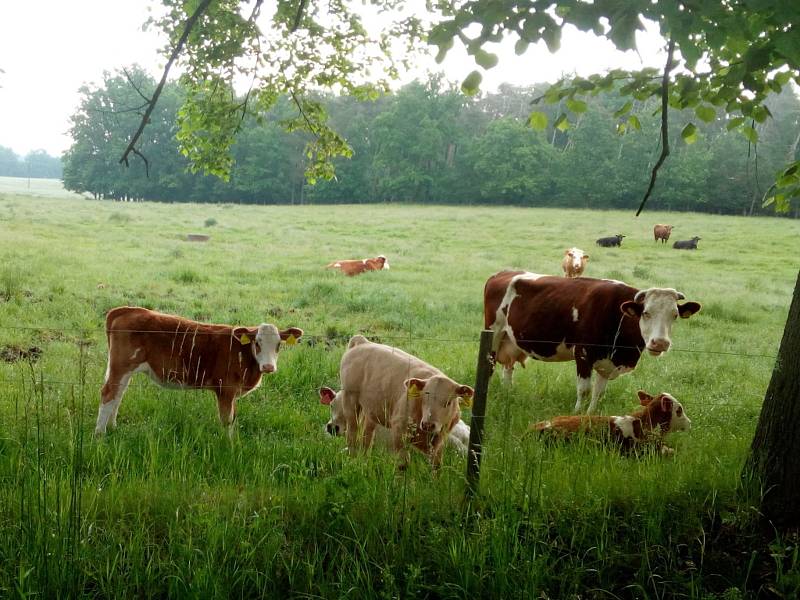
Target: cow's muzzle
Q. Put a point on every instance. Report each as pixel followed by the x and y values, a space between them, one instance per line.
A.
pixel 332 429
pixel 428 427
pixel 268 368
pixel 657 347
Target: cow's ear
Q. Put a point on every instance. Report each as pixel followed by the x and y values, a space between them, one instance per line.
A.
pixel 666 403
pixel 644 398
pixel 465 391
pixel 291 335
pixel 414 385
pixel 632 309
pixel 326 395
pixel 586 257
pixel 245 335
pixel 687 309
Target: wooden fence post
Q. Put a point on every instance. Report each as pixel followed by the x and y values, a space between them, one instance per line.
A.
pixel 482 375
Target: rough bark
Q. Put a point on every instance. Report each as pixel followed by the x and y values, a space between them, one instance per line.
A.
pixel 774 460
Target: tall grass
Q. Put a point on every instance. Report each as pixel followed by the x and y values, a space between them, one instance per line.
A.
pixel 169 505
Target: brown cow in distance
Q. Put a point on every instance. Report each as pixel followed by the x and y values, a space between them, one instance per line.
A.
pixel 356 267
pixel 177 352
pixel 661 232
pixel 574 262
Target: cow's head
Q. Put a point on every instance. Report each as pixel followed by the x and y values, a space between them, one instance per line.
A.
pixel 439 398
pixel 265 341
pixel 337 424
pixel 577 259
pixel 665 411
pixel 378 263
pixel 657 309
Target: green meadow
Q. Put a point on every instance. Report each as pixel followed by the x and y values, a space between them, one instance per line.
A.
pixel 168 505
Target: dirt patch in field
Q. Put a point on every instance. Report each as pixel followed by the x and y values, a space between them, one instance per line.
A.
pixel 12 354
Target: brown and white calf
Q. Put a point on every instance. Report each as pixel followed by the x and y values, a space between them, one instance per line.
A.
pixel 382 385
pixel 356 267
pixel 657 416
pixel 601 324
pixel 662 232
pixel 574 262
pixel 177 352
pixel 458 438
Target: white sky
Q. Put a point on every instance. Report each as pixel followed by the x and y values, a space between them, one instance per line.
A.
pixel 49 48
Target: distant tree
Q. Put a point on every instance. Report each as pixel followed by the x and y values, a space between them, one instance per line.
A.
pixel 10 165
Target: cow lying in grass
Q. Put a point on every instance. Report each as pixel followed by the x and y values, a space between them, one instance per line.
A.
pixel 457 439
pixel 356 267
pixel 657 416
pixel 382 385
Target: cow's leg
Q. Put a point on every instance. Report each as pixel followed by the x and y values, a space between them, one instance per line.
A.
pixel 226 403
pixel 114 387
pixel 583 383
pixel 399 427
pixel 600 383
pixel 369 432
pixel 436 454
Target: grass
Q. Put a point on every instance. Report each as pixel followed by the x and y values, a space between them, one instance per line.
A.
pixel 168 505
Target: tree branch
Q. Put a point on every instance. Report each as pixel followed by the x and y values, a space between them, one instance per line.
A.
pixel 300 9
pixel 190 23
pixel 664 123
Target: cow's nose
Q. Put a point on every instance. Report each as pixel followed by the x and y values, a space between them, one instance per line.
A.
pixel 332 429
pixel 427 426
pixel 659 345
pixel 268 369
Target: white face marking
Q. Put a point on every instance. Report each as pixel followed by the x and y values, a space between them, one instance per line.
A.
pixel 625 425
pixel 679 420
pixel 659 313
pixel 574 315
pixel 386 264
pixel 265 347
pixel 575 258
pixel 609 370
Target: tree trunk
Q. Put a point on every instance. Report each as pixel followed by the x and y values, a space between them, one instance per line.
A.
pixel 773 460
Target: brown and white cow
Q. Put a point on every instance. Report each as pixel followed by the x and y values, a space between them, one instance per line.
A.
pixel 574 262
pixel 458 438
pixel 657 416
pixel 601 324
pixel 356 267
pixel 382 385
pixel 177 352
pixel 662 232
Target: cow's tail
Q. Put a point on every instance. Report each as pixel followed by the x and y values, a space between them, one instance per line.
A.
pixel 356 340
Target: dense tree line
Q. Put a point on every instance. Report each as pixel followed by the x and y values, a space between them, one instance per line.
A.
pixel 428 143
pixel 37 164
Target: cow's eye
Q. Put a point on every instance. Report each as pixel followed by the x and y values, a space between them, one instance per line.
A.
pixel 646 314
pixel 258 347
pixel 679 411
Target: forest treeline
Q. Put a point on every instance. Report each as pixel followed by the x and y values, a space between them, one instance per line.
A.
pixel 37 164
pixel 428 143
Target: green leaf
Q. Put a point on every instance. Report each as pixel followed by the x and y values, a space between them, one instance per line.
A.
pixel 552 37
pixel 705 113
pixel 576 106
pixel 750 133
pixel 734 123
pixel 537 120
pixel 487 60
pixel 521 46
pixel 471 83
pixel 633 121
pixel 689 133
pixel 562 123
pixel 624 110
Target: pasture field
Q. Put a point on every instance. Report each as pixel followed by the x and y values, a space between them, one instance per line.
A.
pixel 168 505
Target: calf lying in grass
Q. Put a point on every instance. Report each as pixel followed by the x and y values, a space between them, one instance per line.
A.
pixel 458 437
pixel 657 416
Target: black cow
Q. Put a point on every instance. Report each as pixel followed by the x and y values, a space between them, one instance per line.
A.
pixel 687 244
pixel 608 242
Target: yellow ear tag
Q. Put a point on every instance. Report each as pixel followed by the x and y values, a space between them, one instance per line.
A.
pixel 466 401
pixel 291 340
pixel 413 391
pixel 244 340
